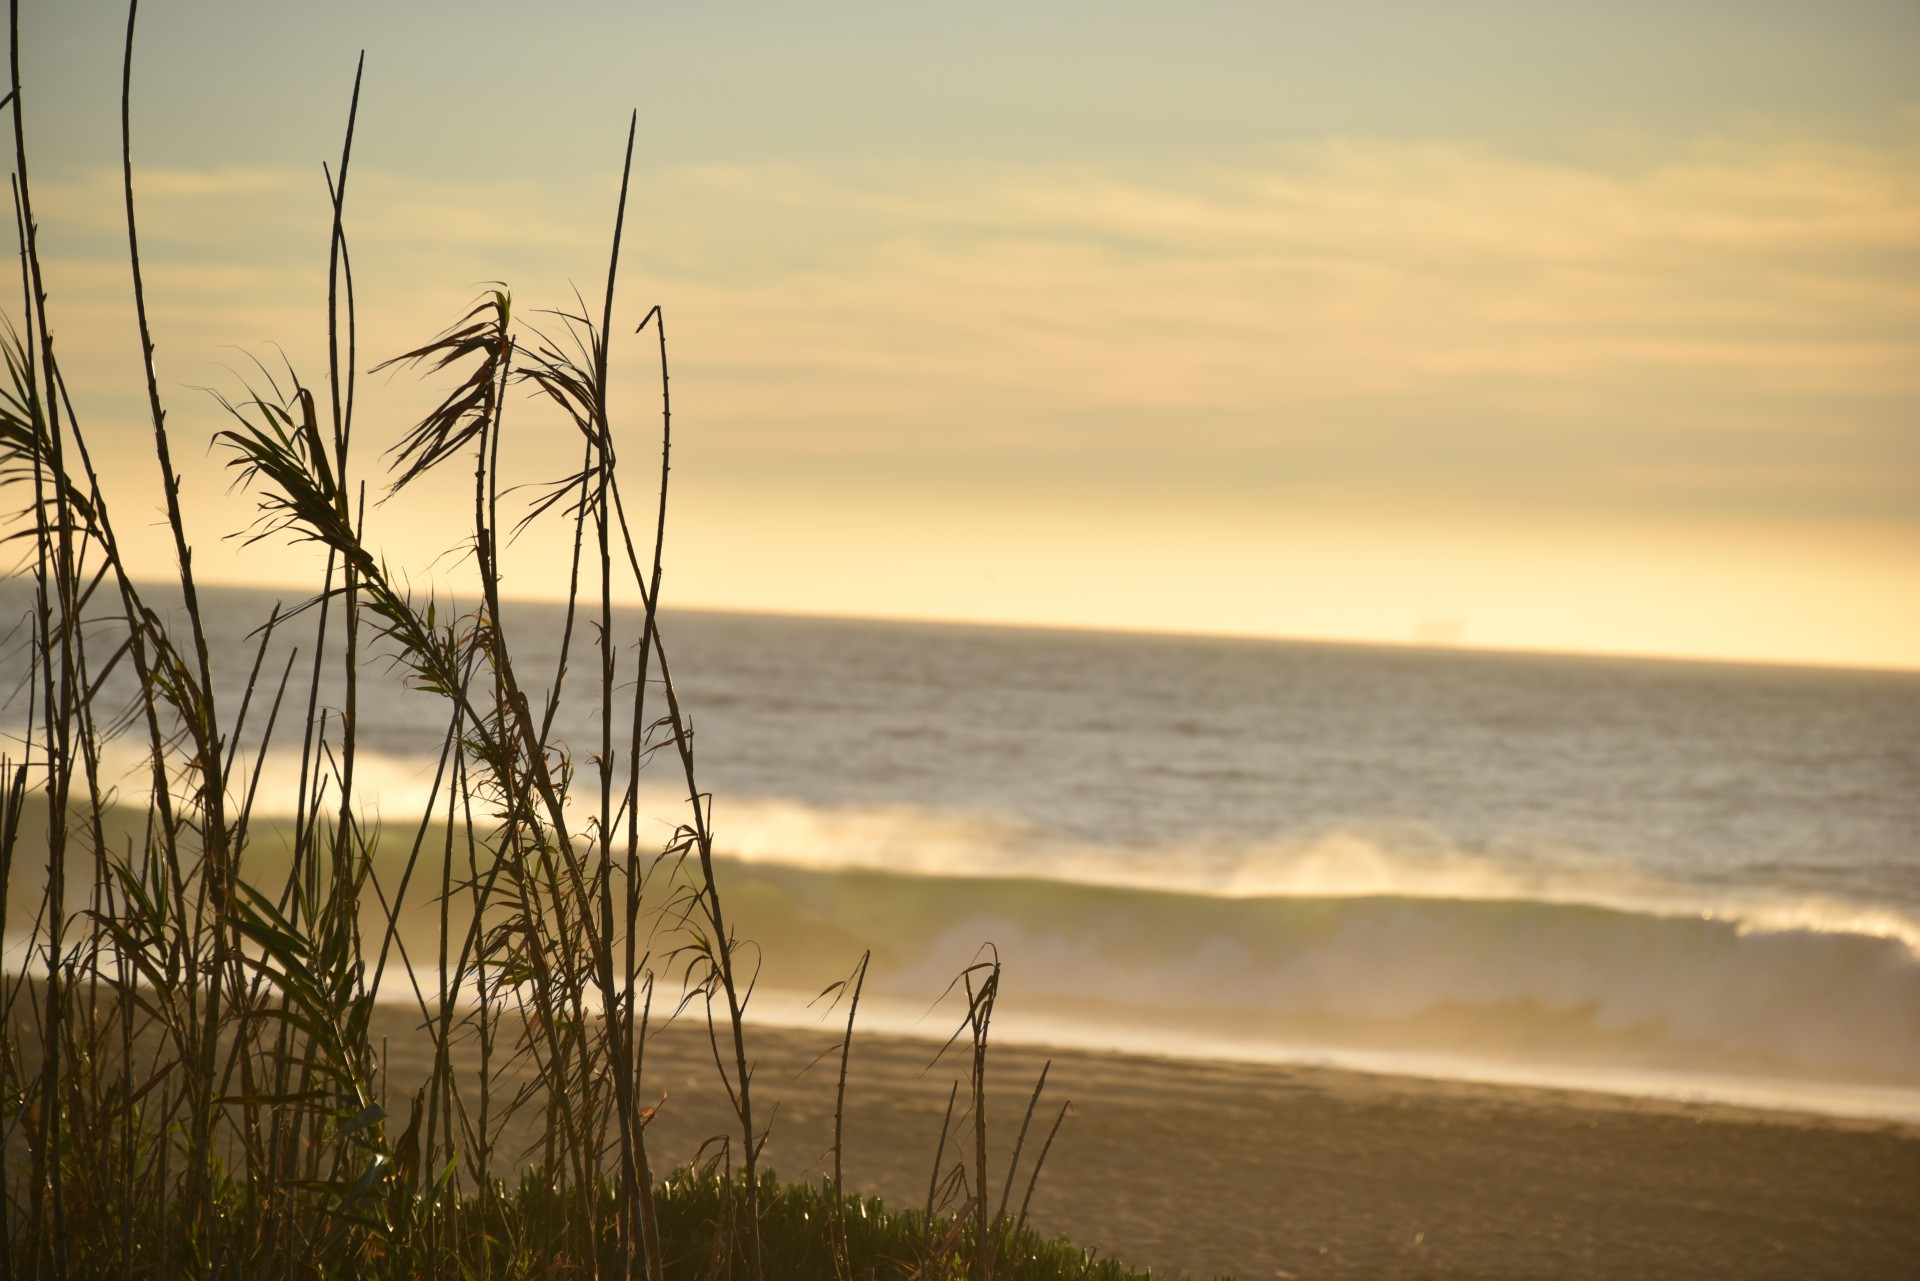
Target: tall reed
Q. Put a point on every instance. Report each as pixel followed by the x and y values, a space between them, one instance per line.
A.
pixel 188 1074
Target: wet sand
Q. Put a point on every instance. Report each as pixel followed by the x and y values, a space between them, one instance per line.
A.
pixel 1197 1169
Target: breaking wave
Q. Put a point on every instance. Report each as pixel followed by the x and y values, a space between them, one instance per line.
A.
pixel 1324 944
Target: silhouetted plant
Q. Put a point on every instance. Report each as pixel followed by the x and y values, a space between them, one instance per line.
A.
pixel 188 1079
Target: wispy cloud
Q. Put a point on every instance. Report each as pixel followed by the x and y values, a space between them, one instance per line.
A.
pixel 1720 338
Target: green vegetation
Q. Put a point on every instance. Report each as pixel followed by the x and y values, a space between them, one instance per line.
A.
pixel 187 1081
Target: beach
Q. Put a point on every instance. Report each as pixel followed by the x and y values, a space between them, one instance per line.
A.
pixel 1202 1168
pixel 1364 559
pixel 1230 875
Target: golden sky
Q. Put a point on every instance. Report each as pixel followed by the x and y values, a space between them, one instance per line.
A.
pixel 1529 327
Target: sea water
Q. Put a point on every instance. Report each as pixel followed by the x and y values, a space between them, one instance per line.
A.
pixel 1667 877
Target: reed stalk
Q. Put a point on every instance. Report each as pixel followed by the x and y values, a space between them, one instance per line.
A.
pixel 188 1073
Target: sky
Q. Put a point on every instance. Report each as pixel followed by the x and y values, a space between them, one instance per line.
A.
pixel 1511 324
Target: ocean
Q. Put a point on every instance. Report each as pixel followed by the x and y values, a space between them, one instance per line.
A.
pixel 1672 878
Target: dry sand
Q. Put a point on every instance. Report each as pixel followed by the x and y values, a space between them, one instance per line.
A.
pixel 1202 1168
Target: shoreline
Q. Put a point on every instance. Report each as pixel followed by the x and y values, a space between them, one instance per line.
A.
pixel 1197 1168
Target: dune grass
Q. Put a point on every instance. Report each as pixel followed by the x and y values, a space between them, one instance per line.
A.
pixel 187 1082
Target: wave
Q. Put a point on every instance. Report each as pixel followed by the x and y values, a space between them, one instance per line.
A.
pixel 1355 861
pixel 1339 942
pixel 1500 981
pixel 1352 860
